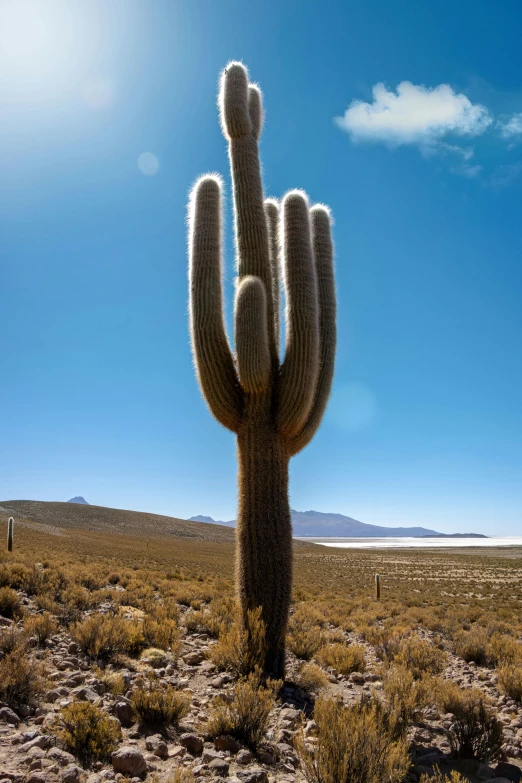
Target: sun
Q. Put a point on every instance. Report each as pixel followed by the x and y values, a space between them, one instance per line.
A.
pixel 36 39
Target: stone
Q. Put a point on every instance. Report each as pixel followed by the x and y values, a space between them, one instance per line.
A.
pixel 192 743
pixel 177 752
pixel 244 757
pixel 60 756
pixel 71 774
pixel 227 744
pixel 124 711
pixel 485 772
pixel 158 746
pixel 289 713
pixel 73 648
pixel 509 771
pixel 219 766
pixel 129 761
pixel 209 755
pixel 256 775
pixel 8 716
pixel 194 657
pixel 86 694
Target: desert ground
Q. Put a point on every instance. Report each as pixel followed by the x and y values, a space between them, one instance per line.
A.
pixel 121 659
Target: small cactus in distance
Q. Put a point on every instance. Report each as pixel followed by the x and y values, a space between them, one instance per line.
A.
pixel 377 586
pixel 274 405
pixel 10 526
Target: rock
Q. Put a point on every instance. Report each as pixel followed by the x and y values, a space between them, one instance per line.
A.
pixel 289 713
pixel 129 761
pixel 219 766
pixel 124 711
pixel 209 755
pixel 244 757
pixel 194 657
pixel 192 743
pixel 36 777
pixel 71 774
pixel 25 710
pixel 60 756
pixel 158 746
pixel 485 772
pixel 509 771
pixel 44 741
pixel 357 678
pixel 256 775
pixel 177 752
pixel 73 648
pixel 8 716
pixel 227 743
pixel 86 694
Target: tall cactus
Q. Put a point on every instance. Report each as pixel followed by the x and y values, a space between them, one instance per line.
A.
pixel 10 526
pixel 273 406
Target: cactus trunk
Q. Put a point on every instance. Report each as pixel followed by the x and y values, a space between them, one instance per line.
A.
pixel 10 526
pixel 264 530
pixel 273 405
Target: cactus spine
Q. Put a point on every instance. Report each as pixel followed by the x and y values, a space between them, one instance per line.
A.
pixel 10 526
pixel 273 406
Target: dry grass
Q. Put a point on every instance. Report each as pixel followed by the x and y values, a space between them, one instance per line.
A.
pixel 344 659
pixel 22 678
pixel 311 678
pixel 158 704
pixel 510 681
pixel 240 650
pixel 246 717
pixel 476 732
pixel 354 744
pixel 87 732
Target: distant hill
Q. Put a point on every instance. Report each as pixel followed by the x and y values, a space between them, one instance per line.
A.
pixel 317 524
pixel 98 519
pixel 78 499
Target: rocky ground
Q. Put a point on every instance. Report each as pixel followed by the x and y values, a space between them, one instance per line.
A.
pixel 30 753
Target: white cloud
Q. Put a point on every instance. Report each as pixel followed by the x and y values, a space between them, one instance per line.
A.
pixel 467 170
pixel 513 126
pixel 414 114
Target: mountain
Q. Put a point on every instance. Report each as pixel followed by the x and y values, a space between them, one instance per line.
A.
pixel 317 524
pixel 79 500
pixel 55 517
pixel 210 521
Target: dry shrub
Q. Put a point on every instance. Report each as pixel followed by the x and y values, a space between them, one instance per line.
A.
pixel 246 717
pixel 11 638
pixel 473 645
pixel 440 777
pixel 10 606
pixel 304 642
pixel 241 650
pixel 159 704
pixel 476 732
pixel 354 744
pixel 344 659
pixel 311 678
pixel 41 627
pixel 87 732
pixel 405 695
pixel 420 657
pixel 180 775
pixel 449 696
pixel 102 636
pixel 504 650
pixel 161 631
pixel 113 682
pixel 22 679
pixel 510 681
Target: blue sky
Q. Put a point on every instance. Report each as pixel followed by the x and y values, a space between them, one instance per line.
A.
pixel 406 118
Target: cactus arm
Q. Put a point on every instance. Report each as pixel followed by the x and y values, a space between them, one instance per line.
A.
pixel 323 253
pixel 241 117
pixel 252 348
pixel 272 221
pixel 300 368
pixel 212 355
pixel 255 109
